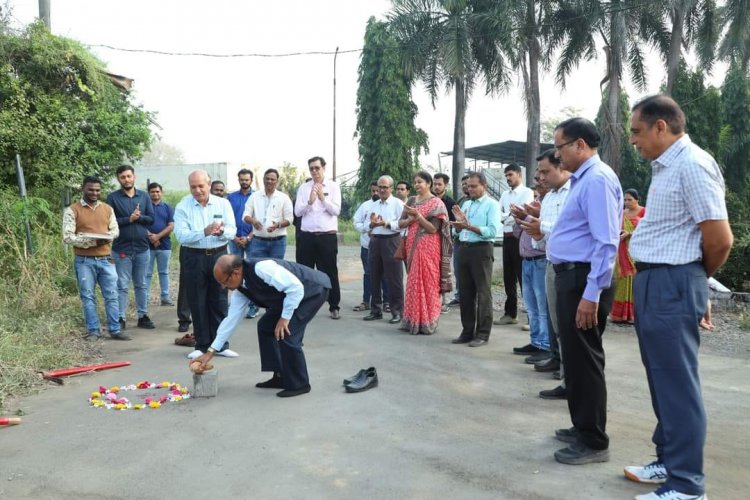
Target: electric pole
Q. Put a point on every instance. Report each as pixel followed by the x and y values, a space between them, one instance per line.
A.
pixel 44 13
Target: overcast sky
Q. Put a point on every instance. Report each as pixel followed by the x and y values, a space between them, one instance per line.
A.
pixel 265 111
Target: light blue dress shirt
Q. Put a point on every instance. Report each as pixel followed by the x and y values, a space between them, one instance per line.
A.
pixel 483 213
pixel 191 219
pixel 588 229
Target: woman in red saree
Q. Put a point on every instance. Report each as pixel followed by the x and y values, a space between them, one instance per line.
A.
pixel 428 255
pixel 622 308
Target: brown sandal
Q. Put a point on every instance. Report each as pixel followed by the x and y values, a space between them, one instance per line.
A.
pixel 361 307
pixel 187 340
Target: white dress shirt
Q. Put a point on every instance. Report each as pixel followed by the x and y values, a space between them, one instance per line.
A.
pixel 268 210
pixel 516 196
pixel 320 216
pixel 361 221
pixel 273 275
pixel 191 219
pixel 390 211
pixel 552 206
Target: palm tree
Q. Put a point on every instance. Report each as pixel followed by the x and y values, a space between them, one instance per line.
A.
pixel 694 23
pixel 625 27
pixel 451 44
pixel 735 42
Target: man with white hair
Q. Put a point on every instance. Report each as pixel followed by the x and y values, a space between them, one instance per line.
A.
pixel 204 224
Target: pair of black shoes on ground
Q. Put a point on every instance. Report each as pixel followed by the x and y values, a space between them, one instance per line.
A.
pixel 276 382
pixel 362 381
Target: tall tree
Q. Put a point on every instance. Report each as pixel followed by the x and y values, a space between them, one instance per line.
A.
pixel 627 28
pixel 735 41
pixel 702 107
pixel 735 135
pixel 389 142
pixel 694 23
pixel 451 44
pixel 61 113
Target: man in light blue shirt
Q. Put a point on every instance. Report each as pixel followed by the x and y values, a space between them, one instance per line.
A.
pixel 204 224
pixel 582 249
pixel 478 219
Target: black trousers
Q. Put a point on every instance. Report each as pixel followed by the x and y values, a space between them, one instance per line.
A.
pixel 206 297
pixel 384 267
pixel 183 308
pixel 319 251
pixel 286 356
pixel 475 295
pixel 512 270
pixel 583 358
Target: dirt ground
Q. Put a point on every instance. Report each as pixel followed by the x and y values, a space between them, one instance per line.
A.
pixel 446 421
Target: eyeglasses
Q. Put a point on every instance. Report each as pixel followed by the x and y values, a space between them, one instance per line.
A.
pixel 384 187
pixel 560 146
pixel 315 168
pixel 225 282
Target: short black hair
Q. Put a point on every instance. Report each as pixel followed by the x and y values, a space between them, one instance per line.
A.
pixel 549 155
pixel 154 185
pixel 246 171
pixel 425 175
pixel 123 168
pixel 632 192
pixel 513 167
pixel 580 128
pixel 374 183
pixel 466 176
pixel 479 175
pixel 217 181
pixel 408 186
pixel 317 158
pixel 91 179
pixel 443 176
pixel 661 107
pixel 271 171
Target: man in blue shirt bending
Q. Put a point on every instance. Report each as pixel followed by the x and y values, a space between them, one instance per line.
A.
pixel 582 249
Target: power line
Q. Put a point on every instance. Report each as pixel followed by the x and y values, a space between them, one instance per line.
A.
pixel 206 54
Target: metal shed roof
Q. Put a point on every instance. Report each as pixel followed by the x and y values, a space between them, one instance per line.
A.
pixel 500 152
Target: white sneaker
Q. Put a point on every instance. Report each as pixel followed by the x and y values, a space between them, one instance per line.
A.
pixel 653 473
pixel 195 354
pixel 662 494
pixel 228 353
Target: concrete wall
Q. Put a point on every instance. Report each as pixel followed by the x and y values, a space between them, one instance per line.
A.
pixel 175 177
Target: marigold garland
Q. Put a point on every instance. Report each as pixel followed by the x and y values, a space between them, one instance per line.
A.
pixel 111 400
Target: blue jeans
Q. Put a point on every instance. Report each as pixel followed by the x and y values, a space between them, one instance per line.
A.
pixel 89 272
pixel 235 249
pixel 274 249
pixel 535 298
pixel 162 263
pixel 132 267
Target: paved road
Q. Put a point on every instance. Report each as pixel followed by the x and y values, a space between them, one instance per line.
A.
pixel 446 422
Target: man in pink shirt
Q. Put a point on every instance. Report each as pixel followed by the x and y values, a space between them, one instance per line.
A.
pixel 318 205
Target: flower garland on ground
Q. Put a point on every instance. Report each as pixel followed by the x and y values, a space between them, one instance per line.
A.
pixel 112 400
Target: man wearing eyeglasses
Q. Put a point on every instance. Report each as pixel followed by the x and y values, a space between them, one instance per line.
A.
pixel 582 249
pixel 384 239
pixel 318 206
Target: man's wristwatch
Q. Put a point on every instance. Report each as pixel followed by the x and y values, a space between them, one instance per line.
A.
pixel 212 350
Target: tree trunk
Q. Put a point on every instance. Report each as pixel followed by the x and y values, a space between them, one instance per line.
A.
pixel 533 105
pixel 611 129
pixel 675 47
pixel 459 138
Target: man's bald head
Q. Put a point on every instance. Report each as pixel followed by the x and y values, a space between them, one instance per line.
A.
pixel 200 185
pixel 225 271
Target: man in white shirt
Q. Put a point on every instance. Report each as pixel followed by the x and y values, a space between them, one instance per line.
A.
pixel 384 239
pixel 361 222
pixel 518 194
pixel 270 212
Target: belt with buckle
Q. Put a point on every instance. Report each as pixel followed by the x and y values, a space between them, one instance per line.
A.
pixel 275 238
pixel 644 266
pixel 535 258
pixel 206 251
pixel 319 233
pixel 385 235
pixel 474 243
pixel 569 266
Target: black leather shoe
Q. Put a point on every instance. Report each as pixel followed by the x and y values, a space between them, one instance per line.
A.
pixel 461 340
pixel 396 318
pixel 478 342
pixel 274 382
pixel 548 365
pixel 528 349
pixel 184 327
pixel 145 322
pixel 360 375
pixel 567 435
pixel 119 336
pixel 364 384
pixel 558 392
pixel 290 393
pixel 580 454
pixel 536 358
pixel 373 317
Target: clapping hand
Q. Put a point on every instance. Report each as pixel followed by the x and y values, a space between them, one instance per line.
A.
pixel 532 226
pixel 533 208
pixel 136 213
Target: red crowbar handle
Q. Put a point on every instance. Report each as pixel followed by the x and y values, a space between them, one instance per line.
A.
pixel 66 372
pixel 10 421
